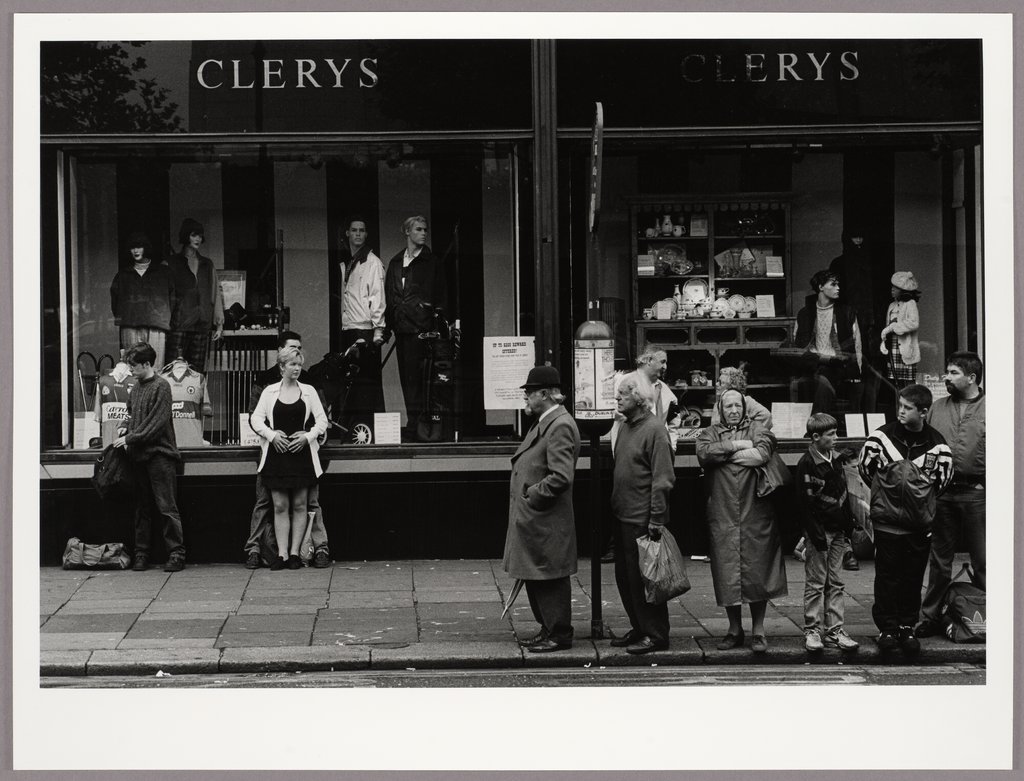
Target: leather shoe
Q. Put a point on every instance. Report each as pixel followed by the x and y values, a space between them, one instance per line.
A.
pixel 253 561
pixel 730 641
pixel 294 562
pixel 629 638
pixel 533 639
pixel 547 645
pixel 850 561
pixel 759 644
pixel 646 645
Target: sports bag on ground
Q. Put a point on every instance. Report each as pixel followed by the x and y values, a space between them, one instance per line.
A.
pixel 81 555
pixel 963 609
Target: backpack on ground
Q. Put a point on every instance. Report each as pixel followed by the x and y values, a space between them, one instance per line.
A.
pixel 963 609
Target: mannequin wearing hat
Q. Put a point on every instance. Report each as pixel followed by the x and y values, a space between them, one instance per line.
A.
pixel 899 336
pixel 198 312
pixel 141 297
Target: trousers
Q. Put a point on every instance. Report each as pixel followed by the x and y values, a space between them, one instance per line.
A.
pixel 960 507
pixel 648 619
pixel 824 593
pixel 412 353
pixel 900 561
pixel 551 603
pixel 156 488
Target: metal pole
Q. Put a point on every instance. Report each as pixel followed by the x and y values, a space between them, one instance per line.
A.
pixel 596 514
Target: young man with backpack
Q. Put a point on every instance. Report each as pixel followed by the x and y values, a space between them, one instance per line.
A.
pixel 908 464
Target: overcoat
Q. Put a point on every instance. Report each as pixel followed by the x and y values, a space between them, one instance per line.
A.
pixel 541 539
pixel 746 553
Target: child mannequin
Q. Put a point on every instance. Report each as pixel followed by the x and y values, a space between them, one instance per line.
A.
pixel 899 336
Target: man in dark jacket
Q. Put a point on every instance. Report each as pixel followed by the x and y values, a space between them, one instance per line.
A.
pixel 149 440
pixel 960 418
pixel 414 288
pixel 540 546
pixel 908 464
pixel 828 332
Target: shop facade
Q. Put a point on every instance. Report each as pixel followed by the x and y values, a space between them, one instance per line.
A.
pixel 726 164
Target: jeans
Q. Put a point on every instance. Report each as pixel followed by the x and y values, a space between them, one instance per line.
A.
pixel 960 507
pixel 262 519
pixel 823 586
pixel 900 561
pixel 648 619
pixel 156 486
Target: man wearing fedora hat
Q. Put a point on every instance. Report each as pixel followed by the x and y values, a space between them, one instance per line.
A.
pixel 540 546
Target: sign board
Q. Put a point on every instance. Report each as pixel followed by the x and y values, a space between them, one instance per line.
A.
pixel 232 287
pixel 387 428
pixel 507 361
pixel 246 436
pixel 594 373
pixel 789 419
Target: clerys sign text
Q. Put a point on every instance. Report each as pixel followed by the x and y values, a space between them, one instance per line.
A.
pixel 756 67
pixel 300 73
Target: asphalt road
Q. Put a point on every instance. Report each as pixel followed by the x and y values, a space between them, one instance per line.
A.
pixel 803 675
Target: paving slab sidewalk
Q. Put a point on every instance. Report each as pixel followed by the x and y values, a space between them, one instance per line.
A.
pixel 222 618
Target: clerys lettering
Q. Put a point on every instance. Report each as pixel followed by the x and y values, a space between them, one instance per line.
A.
pixel 326 73
pixel 756 67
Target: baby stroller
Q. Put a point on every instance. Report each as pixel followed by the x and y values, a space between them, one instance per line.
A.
pixel 334 376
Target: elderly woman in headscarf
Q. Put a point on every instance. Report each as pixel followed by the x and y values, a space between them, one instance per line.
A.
pixel 746 554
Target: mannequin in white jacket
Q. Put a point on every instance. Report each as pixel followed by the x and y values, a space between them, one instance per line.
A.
pixel 289 465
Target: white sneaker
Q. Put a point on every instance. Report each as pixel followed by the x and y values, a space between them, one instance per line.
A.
pixel 812 640
pixel 842 641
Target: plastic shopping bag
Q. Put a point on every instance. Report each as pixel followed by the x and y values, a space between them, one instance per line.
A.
pixel 661 567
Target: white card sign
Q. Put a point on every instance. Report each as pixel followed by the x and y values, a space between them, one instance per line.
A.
pixel 387 428
pixel 765 306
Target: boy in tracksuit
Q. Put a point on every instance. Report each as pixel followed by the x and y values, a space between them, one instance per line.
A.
pixel 908 464
pixel 827 524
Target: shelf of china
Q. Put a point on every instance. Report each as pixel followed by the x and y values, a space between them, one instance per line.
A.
pixel 712 334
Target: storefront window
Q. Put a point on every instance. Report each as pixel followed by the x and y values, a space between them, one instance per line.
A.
pixel 273 222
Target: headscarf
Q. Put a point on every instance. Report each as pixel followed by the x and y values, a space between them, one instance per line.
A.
pixel 721 411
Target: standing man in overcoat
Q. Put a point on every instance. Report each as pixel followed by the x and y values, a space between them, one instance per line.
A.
pixel 540 547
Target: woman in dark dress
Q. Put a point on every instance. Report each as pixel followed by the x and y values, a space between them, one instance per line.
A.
pixel 289 465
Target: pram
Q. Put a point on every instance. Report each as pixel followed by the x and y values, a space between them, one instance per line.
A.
pixel 334 376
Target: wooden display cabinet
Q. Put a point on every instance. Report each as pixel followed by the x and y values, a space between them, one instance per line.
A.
pixel 740 242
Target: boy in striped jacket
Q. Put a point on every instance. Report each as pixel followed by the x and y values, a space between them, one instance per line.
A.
pixel 908 464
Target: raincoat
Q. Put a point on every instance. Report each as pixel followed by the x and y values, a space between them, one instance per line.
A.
pixel 746 553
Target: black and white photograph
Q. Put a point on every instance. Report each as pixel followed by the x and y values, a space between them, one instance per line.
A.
pixel 411 370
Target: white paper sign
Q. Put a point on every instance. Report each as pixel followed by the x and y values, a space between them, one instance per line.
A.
pixel 855 425
pixel 387 428
pixel 246 436
pixel 789 419
pixel 507 362
pixel 765 306
pixel 875 420
pixel 86 428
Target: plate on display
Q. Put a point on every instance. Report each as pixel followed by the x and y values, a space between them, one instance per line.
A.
pixel 751 304
pixel 737 303
pixel 694 290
